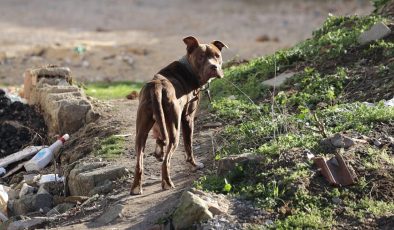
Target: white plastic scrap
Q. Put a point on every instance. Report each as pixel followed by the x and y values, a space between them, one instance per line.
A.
pixel 389 103
pixel 50 178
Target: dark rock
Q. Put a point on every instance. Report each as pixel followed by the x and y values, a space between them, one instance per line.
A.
pixel 31 203
pixel 330 144
pixel 341 141
pixel 33 223
pixel 61 208
pixel 228 164
pixel 54 188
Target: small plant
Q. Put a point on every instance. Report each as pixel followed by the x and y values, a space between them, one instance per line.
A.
pixel 113 90
pixel 111 147
pixel 379 4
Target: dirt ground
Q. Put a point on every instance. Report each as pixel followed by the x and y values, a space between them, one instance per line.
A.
pixel 133 39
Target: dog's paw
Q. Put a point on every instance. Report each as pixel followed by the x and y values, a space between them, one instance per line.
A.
pixel 166 186
pixel 159 157
pixel 136 191
pixel 197 166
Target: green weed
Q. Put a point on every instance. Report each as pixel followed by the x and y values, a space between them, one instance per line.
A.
pixel 113 90
pixel 111 147
pixel 366 206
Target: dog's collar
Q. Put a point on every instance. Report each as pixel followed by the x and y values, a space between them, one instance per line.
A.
pixel 187 65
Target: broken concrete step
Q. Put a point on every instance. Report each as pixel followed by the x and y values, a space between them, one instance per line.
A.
pixel 279 80
pixel 88 177
pixel 376 32
pixel 65 107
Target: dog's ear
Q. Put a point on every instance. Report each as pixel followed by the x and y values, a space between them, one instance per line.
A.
pixel 191 43
pixel 219 45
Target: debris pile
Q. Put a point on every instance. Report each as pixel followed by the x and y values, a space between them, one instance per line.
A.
pixel 31 193
pixel 20 125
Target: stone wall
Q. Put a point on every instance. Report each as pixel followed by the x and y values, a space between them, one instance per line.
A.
pixel 64 106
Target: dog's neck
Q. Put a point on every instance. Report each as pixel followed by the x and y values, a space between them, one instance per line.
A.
pixel 189 68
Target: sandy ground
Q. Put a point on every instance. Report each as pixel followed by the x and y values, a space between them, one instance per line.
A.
pixel 133 39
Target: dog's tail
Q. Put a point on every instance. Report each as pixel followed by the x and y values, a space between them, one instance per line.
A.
pixel 158 112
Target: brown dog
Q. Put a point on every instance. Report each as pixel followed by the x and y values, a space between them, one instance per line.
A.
pixel 169 101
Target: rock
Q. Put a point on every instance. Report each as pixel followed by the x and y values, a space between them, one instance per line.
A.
pixel 377 143
pixel 219 222
pixel 389 103
pixel 105 188
pixel 336 200
pixel 3 218
pixel 341 141
pixel 377 31
pixel 228 164
pixel 110 214
pixel 61 208
pixel 31 179
pixel 31 203
pixel 26 189
pixel 71 114
pixel 128 59
pixel 33 223
pixel 86 177
pixel 191 209
pixel 132 95
pixel 279 80
pixel 13 194
pixel 55 188
pixel 217 203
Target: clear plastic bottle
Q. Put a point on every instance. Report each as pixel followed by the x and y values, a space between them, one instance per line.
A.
pixel 45 155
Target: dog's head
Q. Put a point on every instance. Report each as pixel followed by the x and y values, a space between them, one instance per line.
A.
pixel 205 59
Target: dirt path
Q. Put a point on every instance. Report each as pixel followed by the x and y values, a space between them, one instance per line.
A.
pixel 141 212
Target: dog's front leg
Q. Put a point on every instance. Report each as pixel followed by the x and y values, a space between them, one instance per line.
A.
pixel 187 131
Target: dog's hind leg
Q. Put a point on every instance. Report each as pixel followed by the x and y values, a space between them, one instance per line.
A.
pixel 144 124
pixel 173 127
pixel 187 123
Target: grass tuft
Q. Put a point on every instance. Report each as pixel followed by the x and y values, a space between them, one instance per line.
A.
pixel 111 147
pixel 113 90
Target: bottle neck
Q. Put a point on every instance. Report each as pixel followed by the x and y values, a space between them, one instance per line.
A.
pixel 56 146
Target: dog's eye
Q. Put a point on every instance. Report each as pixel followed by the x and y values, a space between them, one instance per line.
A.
pixel 201 58
pixel 217 56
